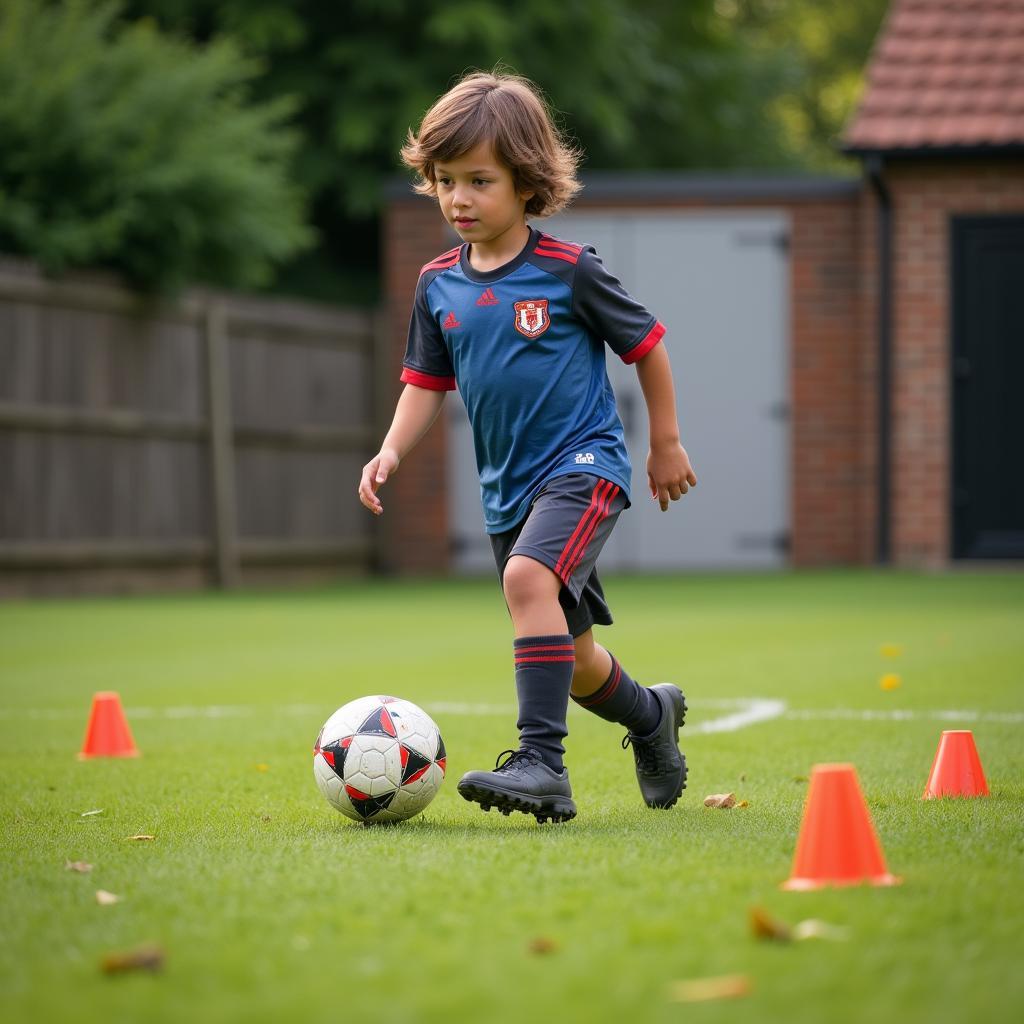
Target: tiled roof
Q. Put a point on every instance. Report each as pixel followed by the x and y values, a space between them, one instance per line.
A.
pixel 944 74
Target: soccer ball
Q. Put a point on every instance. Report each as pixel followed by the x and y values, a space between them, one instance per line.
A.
pixel 379 759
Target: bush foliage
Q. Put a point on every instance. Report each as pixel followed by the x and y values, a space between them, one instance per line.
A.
pixel 126 148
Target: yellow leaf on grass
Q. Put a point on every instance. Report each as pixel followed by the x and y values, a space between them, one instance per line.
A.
pixel 542 945
pixel 263 767
pixel 890 681
pixel 723 800
pixel 699 990
pixel 138 839
pixel 142 958
pixel 764 926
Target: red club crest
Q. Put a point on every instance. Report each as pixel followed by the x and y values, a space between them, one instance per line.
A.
pixel 532 318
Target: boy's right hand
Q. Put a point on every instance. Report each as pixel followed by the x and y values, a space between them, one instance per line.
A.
pixel 375 474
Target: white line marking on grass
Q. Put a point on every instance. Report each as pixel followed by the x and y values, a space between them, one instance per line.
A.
pixel 463 708
pixel 755 710
pixel 904 715
pixel 746 711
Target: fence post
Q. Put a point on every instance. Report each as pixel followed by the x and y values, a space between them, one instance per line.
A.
pixel 222 452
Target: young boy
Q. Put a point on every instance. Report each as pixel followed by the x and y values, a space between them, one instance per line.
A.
pixel 518 321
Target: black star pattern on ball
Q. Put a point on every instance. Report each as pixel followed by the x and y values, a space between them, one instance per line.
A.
pixel 414 764
pixel 334 754
pixel 367 806
pixel 378 723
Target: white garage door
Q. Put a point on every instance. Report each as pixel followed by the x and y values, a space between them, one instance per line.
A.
pixel 719 282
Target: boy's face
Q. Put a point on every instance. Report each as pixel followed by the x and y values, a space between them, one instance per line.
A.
pixel 478 196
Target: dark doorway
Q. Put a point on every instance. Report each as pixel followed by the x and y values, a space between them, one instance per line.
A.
pixel 988 387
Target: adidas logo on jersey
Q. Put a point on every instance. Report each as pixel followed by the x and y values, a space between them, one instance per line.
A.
pixel 450 321
pixel 488 299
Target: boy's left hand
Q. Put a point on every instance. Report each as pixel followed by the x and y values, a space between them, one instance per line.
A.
pixel 669 473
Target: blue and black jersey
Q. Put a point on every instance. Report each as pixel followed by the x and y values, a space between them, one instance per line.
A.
pixel 524 344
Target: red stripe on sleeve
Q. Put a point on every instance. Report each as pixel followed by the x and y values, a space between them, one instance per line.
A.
pixel 427 380
pixel 446 259
pixel 552 254
pixel 556 244
pixel 639 351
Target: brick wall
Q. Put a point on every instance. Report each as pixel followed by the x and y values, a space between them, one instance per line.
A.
pixel 415 520
pixel 925 196
pixel 831 377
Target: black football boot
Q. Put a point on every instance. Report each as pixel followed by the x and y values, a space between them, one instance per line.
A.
pixel 660 765
pixel 521 782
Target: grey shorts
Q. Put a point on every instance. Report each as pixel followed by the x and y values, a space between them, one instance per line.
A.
pixel 565 529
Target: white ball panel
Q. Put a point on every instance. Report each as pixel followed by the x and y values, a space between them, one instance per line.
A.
pixel 348 718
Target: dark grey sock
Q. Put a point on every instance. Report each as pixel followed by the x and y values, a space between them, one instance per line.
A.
pixel 544 667
pixel 622 700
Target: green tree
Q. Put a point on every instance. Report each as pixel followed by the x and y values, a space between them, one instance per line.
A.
pixel 638 83
pixel 122 148
pixel 821 50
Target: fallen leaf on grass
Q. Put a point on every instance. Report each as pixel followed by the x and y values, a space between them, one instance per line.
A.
pixel 723 800
pixel 764 926
pixel 542 945
pixel 743 803
pixel 106 899
pixel 890 681
pixel 699 990
pixel 263 767
pixel 142 958
pixel 137 839
pixel 89 814
pixel 81 866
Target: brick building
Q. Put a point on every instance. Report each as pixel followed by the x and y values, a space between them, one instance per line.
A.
pixel 902 292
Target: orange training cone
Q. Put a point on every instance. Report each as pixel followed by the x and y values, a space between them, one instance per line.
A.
pixel 107 734
pixel 956 770
pixel 837 844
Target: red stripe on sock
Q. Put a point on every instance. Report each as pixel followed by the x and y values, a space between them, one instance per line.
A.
pixel 568 657
pixel 610 685
pixel 533 650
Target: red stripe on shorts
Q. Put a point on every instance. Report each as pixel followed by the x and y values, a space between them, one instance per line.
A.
pixel 601 513
pixel 595 499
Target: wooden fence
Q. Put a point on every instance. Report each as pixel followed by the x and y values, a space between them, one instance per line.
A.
pixel 218 439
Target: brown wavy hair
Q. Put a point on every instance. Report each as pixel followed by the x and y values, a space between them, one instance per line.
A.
pixel 509 112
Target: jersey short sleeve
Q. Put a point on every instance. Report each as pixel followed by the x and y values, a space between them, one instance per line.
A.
pixel 610 312
pixel 427 362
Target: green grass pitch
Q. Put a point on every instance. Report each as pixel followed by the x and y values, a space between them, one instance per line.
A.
pixel 270 906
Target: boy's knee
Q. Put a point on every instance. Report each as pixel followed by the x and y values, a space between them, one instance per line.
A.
pixel 525 581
